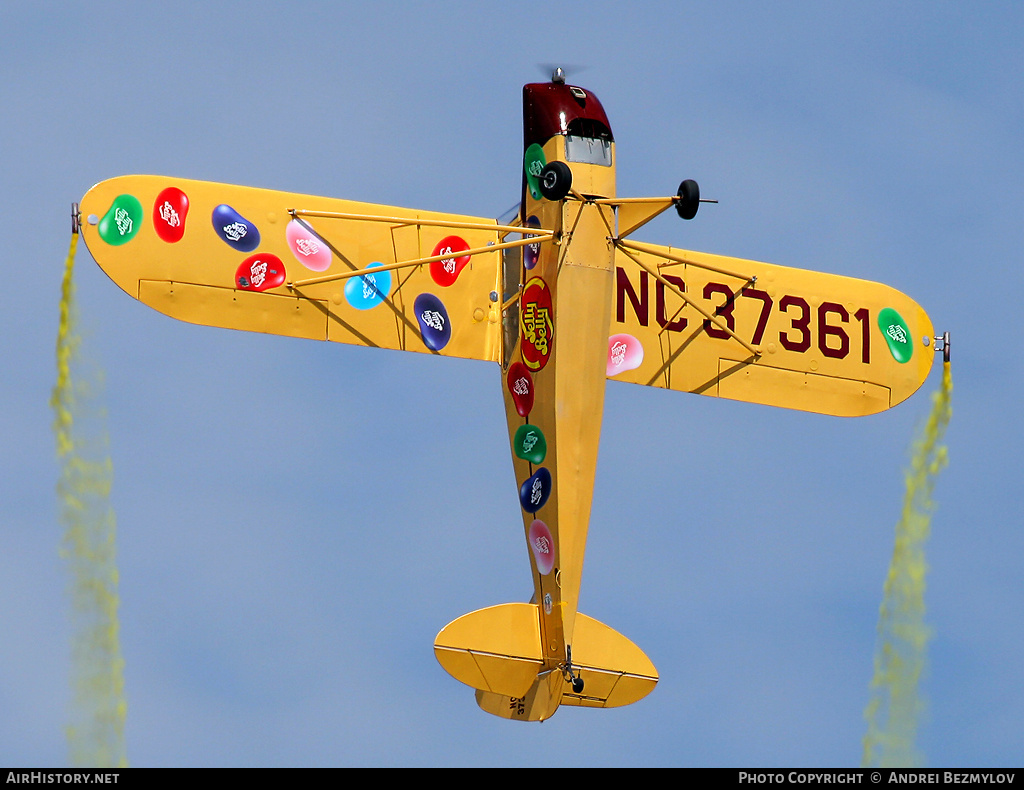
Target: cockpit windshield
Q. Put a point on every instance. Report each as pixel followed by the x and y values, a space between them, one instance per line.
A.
pixel 588 150
pixel 588 141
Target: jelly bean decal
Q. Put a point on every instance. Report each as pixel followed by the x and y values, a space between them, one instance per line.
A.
pixel 543 546
pixel 533 163
pixel 897 336
pixel 434 324
pixel 260 272
pixel 446 272
pixel 536 320
pixel 535 491
pixel 520 385
pixel 531 251
pixel 624 353
pixel 122 220
pixel 368 290
pixel 529 444
pixel 169 213
pixel 308 250
pixel 234 229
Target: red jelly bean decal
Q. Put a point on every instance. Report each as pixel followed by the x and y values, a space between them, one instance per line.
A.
pixel 446 272
pixel 169 213
pixel 520 386
pixel 260 272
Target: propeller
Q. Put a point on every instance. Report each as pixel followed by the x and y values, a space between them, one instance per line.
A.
pixel 557 72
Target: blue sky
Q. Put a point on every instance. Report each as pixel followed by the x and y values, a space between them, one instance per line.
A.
pixel 297 520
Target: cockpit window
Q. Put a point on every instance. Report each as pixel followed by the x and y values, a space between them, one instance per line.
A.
pixel 588 150
pixel 588 141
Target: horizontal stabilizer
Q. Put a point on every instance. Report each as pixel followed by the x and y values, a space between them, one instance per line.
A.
pixel 498 652
pixel 614 671
pixel 495 649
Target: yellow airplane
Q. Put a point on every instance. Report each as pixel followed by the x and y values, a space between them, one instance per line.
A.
pixel 562 299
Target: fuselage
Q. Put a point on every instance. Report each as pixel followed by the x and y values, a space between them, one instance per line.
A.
pixel 554 376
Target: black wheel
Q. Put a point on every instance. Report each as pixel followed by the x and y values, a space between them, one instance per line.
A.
pixel 688 199
pixel 555 180
pixel 577 685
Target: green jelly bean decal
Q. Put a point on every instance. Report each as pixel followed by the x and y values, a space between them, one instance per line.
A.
pixel 896 334
pixel 529 444
pixel 533 163
pixel 122 220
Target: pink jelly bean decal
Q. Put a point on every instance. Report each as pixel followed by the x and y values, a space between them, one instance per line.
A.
pixel 169 213
pixel 260 272
pixel 543 546
pixel 447 271
pixel 624 353
pixel 308 250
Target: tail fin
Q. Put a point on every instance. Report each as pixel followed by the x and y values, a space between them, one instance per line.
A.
pixel 498 652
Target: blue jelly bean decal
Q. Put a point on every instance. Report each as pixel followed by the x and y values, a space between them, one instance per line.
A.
pixel 368 290
pixel 535 491
pixel 235 229
pixel 433 319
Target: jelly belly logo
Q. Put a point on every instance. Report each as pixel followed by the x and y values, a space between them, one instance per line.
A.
pixel 537 324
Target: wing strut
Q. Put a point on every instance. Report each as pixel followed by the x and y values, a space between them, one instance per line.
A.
pixel 418 261
pixel 678 292
pixel 531 236
pixel 661 253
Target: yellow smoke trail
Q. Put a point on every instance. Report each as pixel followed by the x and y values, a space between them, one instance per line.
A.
pixel 896 705
pixel 96 731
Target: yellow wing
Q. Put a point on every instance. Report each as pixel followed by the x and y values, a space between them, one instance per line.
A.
pixel 763 333
pixel 282 263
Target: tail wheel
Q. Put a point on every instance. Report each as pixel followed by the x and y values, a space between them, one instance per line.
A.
pixel 688 199
pixel 577 685
pixel 555 180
